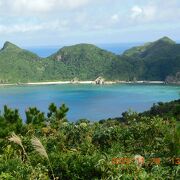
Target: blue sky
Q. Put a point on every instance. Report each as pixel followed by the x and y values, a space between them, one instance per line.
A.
pixel 56 22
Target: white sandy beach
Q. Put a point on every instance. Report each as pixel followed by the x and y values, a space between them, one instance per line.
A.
pixel 93 82
pixel 60 82
pixel 49 83
pixel 83 82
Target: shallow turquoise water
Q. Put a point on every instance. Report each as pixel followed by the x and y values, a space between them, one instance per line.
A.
pixel 88 101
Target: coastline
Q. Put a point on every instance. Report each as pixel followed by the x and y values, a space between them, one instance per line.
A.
pixel 88 82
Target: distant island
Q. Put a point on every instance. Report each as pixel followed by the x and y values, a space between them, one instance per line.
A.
pixel 157 61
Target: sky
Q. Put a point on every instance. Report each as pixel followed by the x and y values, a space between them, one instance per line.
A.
pixel 55 22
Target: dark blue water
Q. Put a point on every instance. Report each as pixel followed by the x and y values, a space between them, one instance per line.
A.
pixel 88 101
pixel 44 51
pixel 117 48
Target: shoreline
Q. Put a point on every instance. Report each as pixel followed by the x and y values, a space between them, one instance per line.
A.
pixel 88 82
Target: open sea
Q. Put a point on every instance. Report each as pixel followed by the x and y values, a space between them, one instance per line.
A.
pixel 117 48
pixel 93 102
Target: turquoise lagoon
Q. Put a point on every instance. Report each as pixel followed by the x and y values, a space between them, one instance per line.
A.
pixel 88 101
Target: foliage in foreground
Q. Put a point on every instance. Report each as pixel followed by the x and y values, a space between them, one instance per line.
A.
pixel 53 148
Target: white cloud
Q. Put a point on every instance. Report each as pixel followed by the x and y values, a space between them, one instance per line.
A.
pixel 39 6
pixel 19 28
pixel 144 13
pixel 72 4
pixel 25 28
pixel 115 18
pixel 32 5
pixel 78 17
pixel 136 11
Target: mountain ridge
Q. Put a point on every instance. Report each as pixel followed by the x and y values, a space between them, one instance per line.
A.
pixel 10 46
pixel 152 61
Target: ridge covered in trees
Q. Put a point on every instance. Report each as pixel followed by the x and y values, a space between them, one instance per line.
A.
pixel 159 60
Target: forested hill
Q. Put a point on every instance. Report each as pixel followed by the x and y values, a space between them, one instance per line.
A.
pixel 153 61
pixel 87 62
pixel 156 60
pixel 17 65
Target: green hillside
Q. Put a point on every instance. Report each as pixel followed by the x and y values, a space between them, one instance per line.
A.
pixel 86 61
pixel 151 47
pixel 153 61
pixel 18 65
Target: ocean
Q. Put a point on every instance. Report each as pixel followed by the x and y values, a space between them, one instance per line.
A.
pixel 92 102
pixel 117 48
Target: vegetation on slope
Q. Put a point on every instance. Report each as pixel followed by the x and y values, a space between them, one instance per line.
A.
pixel 84 61
pixel 18 65
pixel 166 110
pixel 153 61
pixel 141 51
pixel 50 147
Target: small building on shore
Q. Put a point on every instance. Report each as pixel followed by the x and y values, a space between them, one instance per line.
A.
pixel 75 80
pixel 100 80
